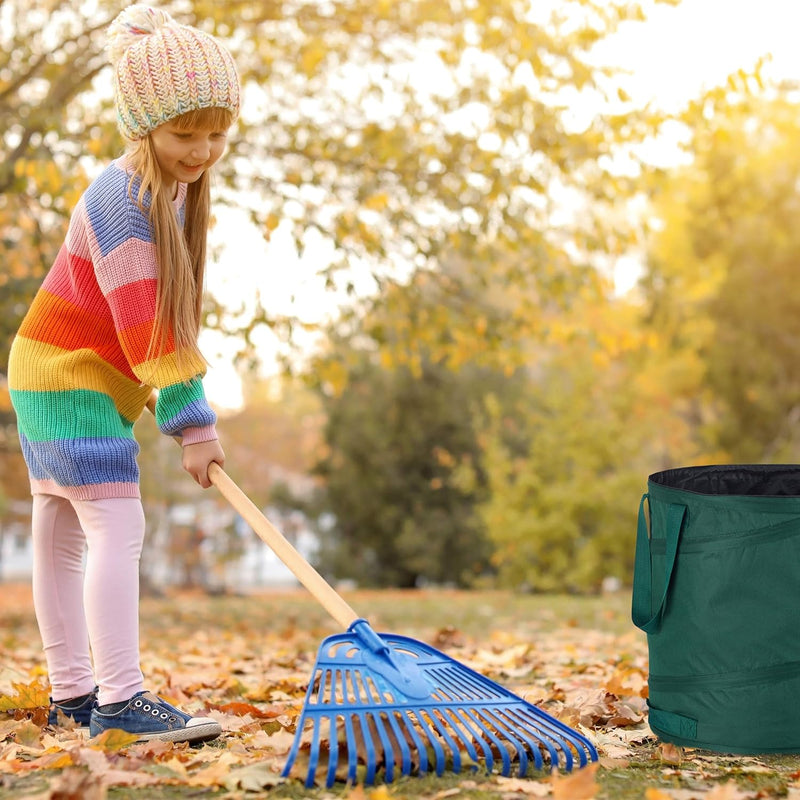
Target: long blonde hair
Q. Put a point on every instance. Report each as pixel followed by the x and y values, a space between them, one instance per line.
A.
pixel 181 253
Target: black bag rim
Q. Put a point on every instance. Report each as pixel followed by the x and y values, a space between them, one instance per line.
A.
pixel 752 481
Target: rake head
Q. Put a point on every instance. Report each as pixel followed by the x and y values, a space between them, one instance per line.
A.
pixel 395 704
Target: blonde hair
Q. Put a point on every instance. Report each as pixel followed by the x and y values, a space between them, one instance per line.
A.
pixel 181 254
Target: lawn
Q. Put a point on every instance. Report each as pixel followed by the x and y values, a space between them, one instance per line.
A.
pixel 246 660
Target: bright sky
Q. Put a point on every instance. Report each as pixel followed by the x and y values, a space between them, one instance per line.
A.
pixel 672 57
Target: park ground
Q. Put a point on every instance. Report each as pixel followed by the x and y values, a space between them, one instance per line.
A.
pixel 247 659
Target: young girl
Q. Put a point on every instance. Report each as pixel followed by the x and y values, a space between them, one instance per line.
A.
pixel 117 315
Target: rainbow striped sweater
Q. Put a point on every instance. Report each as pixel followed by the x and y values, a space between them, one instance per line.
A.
pixel 78 370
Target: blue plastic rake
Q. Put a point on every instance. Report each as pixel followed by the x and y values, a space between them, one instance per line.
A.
pixel 398 706
pixel 405 708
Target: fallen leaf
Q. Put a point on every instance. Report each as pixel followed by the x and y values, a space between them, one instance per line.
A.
pixel 113 739
pixel 525 787
pixel 656 794
pixel 57 760
pixel 129 777
pixel 727 791
pixel 28 734
pixel 628 681
pixel 26 695
pixel 579 785
pixel 670 753
pixel 76 784
pixel 243 709
pixel 253 778
pixel 446 792
pixel 614 763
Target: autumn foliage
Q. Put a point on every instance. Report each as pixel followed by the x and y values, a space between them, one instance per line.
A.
pixel 470 229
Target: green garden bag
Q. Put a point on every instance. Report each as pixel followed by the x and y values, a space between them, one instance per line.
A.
pixel 716 588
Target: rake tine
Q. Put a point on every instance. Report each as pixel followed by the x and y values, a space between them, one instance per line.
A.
pixel 528 749
pixel 373 695
pixel 352 754
pixel 544 727
pixel 553 744
pixel 441 728
pixel 464 733
pixel 434 741
pixel 464 687
pixel 511 735
pixel 501 748
pixel 470 683
pixel 371 722
pixel 313 759
pixel 417 739
pixel 405 750
pixel 471 723
pixel 361 728
pixel 559 730
pixel 365 693
pixel 333 753
pixel 326 687
pixel 388 761
pixel 293 750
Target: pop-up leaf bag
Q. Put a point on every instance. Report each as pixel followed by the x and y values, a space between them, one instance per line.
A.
pixel 717 589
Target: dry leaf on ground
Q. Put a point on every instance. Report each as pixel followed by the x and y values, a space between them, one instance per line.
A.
pixel 578 785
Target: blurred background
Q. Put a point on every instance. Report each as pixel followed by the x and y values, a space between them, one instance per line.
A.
pixel 479 268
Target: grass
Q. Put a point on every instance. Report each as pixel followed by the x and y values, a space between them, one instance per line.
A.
pixel 226 648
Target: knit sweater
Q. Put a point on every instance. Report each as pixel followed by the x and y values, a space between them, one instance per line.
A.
pixel 78 372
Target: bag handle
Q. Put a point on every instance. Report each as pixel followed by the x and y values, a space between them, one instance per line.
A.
pixel 642 604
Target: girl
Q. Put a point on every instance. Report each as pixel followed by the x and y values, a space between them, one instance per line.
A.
pixel 117 315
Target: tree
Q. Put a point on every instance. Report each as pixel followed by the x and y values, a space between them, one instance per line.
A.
pixel 721 273
pixel 49 59
pixel 395 131
pixel 405 135
pixel 395 440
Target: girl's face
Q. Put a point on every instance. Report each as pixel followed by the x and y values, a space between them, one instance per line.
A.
pixel 184 154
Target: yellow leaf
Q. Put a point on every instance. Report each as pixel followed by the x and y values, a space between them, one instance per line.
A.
pixel 113 739
pixel 656 794
pixel 377 202
pixel 51 760
pixel 31 695
pixel 311 57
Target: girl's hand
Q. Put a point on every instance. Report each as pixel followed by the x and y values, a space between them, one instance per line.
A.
pixel 198 457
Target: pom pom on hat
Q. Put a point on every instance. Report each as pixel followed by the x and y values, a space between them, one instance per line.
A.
pixel 163 69
pixel 130 26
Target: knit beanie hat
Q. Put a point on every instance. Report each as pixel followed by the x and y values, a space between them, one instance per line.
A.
pixel 163 69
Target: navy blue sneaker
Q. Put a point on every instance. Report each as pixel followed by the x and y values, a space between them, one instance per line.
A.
pixel 78 709
pixel 150 717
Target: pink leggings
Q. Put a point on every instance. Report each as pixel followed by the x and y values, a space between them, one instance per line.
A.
pixel 100 607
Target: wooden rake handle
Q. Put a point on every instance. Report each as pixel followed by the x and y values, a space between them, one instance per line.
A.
pixel 322 591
